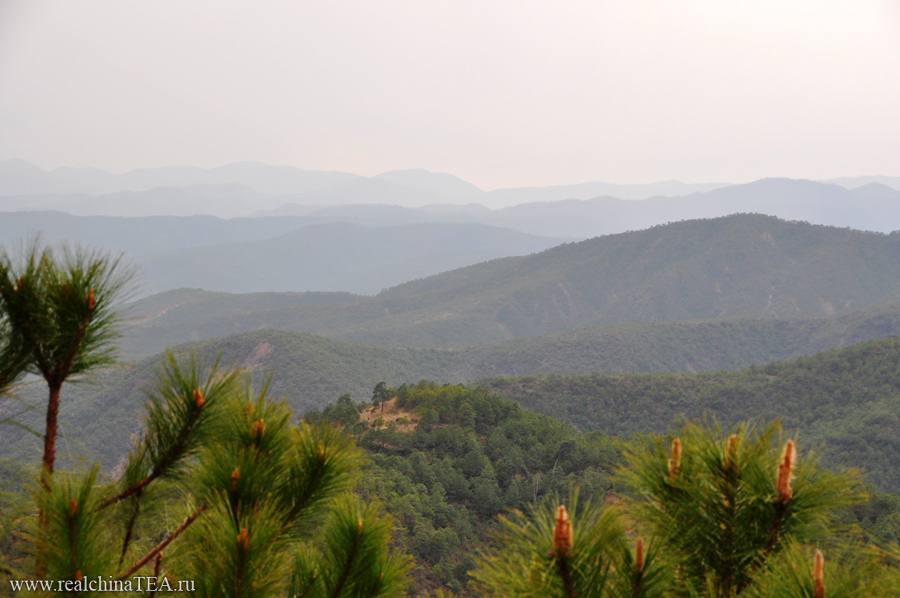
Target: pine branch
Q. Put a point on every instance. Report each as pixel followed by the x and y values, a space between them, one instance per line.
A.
pixel 50 432
pixel 308 589
pixel 73 540
pixel 62 369
pixel 562 565
pixel 348 565
pixel 777 521
pixel 42 365
pixel 156 569
pixel 130 529
pixel 243 544
pixel 730 490
pixel 637 572
pixel 164 464
pixel 771 541
pixel 129 491
pixel 159 547
pixel 772 537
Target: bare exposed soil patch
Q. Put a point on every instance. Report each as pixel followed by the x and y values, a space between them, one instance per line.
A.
pixel 391 413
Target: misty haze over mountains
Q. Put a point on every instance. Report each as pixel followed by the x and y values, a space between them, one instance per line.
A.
pixel 250 227
pixel 255 189
pixel 307 187
pixel 742 266
pixel 416 196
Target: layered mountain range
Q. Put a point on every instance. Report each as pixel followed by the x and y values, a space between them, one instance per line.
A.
pixel 413 196
pixel 743 266
pixel 331 283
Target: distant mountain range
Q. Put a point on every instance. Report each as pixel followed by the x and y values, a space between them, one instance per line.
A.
pixel 28 185
pixel 243 255
pixel 742 266
pixel 697 295
pixel 873 207
pixel 418 196
pixel 139 236
pixel 335 257
pixel 18 177
pixel 365 248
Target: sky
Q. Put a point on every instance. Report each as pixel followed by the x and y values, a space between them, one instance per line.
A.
pixel 500 93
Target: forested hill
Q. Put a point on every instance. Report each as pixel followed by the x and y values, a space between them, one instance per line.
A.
pixel 310 371
pixel 446 460
pixel 624 348
pixel 741 265
pixel 847 399
pixel 678 347
pixel 738 266
pixel 313 370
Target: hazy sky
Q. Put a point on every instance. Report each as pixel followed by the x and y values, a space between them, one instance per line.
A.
pixel 500 93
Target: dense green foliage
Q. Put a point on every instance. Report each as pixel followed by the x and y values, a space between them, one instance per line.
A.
pixel 847 402
pixel 469 457
pixel 673 346
pixel 446 460
pixel 714 516
pixel 249 482
pixel 224 485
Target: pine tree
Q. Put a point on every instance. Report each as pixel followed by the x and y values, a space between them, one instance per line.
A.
pixel 252 488
pixel 726 516
pixel 380 395
pixel 576 551
pixel 726 506
pixel 13 357
pixel 58 310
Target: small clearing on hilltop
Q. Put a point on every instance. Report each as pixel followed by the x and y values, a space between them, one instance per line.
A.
pixel 405 420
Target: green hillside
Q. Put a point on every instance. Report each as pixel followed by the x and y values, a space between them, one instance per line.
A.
pixel 846 386
pixel 848 400
pixel 446 460
pixel 470 457
pixel 99 415
pixel 619 349
pixel 188 315
pixel 674 346
pixel 739 266
pixel 742 266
